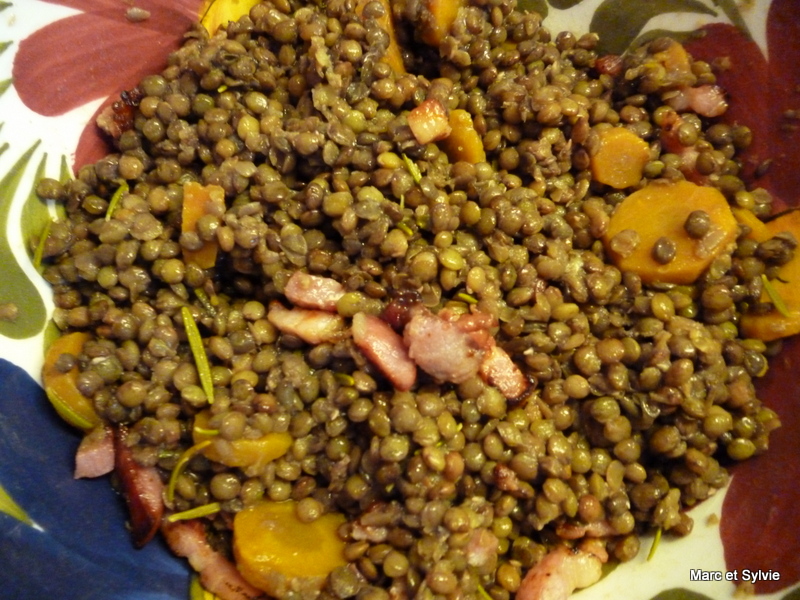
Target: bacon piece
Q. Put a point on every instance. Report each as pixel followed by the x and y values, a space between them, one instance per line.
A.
pixel 562 571
pixel 441 348
pixel 95 455
pixel 499 370
pixel 117 118
pixel 312 326
pixel 142 489
pixel 384 347
pixel 313 291
pixel 705 100
pixel 429 122
pixel 217 574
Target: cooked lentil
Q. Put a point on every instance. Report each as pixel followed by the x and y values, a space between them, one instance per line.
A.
pixel 642 393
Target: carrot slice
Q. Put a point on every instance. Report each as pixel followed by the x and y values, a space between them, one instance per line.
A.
pixel 244 452
pixel 620 158
pixel 660 210
pixel 783 320
pixel 274 548
pixel 61 387
pixel 200 200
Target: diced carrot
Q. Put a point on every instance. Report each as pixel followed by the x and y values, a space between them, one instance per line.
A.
pixel 758 229
pixel 199 200
pixel 785 321
pixel 393 56
pixel 660 210
pixel 675 58
pixel 443 14
pixel 429 121
pixel 275 549
pixel 61 387
pixel 464 143
pixel 243 452
pixel 620 158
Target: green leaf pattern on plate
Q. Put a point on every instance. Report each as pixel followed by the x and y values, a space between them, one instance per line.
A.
pixel 11 508
pixel 15 286
pixel 619 22
pixel 793 595
pixel 680 594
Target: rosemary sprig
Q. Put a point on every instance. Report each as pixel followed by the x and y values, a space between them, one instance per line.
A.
pixel 654 546
pixel 774 296
pixel 196 512
pixel 199 353
pixel 114 202
pixel 413 168
pixel 184 459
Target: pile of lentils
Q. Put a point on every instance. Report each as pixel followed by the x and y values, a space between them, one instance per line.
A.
pixel 642 393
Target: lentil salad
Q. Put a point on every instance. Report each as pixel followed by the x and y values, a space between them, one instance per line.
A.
pixel 634 393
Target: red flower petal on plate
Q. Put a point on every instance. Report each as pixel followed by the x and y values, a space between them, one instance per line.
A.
pixel 745 82
pixel 760 520
pixel 783 42
pixel 95 54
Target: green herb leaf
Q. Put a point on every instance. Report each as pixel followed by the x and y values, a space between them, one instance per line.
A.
pixel 483 593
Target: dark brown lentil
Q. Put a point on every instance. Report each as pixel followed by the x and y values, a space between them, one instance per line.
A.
pixel 643 393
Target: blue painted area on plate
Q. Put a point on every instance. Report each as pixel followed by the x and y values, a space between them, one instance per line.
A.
pixel 84 551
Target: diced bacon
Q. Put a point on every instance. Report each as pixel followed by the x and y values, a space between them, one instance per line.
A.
pixel 441 348
pixel 95 455
pixel 384 347
pixel 142 489
pixel 499 370
pixel 429 122
pixel 312 326
pixel 562 571
pixel 705 100
pixel 218 575
pixel 313 291
pixel 596 529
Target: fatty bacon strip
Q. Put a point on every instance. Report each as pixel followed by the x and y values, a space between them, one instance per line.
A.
pixel 449 347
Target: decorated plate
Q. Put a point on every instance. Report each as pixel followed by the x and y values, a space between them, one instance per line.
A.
pixel 61 61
